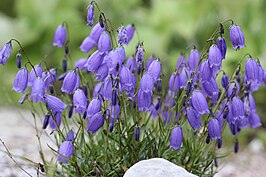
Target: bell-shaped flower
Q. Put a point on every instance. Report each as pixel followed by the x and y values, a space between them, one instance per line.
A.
pixel 206 72
pixel 60 36
pixel 139 55
pixel 215 56
pixel 49 78
pixel 130 32
pixel 122 35
pixel 131 64
pixel 80 63
pixel 155 69
pixel 94 61
pixel 180 63
pixel 5 52
pixel 79 101
pixel 94 107
pixel 237 37
pixel 92 40
pixel 210 87
pixel 107 89
pixel 37 70
pixel 221 43
pixel 95 122
pixel 54 103
pixel 115 59
pixel 233 89
pixel 193 118
pixel 65 151
pixel 199 103
pixel 176 138
pixel 90 15
pixel 146 83
pixel 127 80
pixel 55 120
pixel 149 61
pixel 102 72
pixel 144 100
pixel 104 43
pixel 37 90
pixel 254 120
pixel 214 129
pixel 252 71
pixel 193 59
pixel 174 83
pixel 238 110
pixel 184 75
pixel 70 83
pixel 21 80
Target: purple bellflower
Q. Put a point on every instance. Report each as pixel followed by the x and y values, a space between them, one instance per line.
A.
pixel 174 83
pixel 225 80
pixel 5 52
pixel 146 83
pixel 102 72
pixel 155 69
pixel 104 43
pixel 221 43
pixel 122 35
pixel 199 103
pixel 37 90
pixel 80 63
pixel 206 73
pixel 149 61
pixel 32 76
pixel 254 120
pixel 70 83
pixel 214 129
pixel 176 138
pixel 58 119
pixel 193 59
pixel 238 110
pixel 215 56
pixel 90 15
pixel 95 123
pixel 94 107
pixel 130 32
pixel 252 70
pixel 79 101
pixel 21 80
pixel 144 100
pixel 94 61
pixel 60 36
pixel 180 63
pixel 237 37
pixel 193 118
pixel 65 151
pixel 131 64
pixel 70 136
pixel 54 103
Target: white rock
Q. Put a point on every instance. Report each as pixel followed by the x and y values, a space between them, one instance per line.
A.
pixel 156 167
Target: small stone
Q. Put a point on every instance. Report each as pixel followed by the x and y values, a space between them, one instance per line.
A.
pixel 156 167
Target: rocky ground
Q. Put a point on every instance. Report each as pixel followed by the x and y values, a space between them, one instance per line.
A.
pixel 18 133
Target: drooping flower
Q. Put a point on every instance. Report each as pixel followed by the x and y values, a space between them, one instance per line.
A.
pixel 155 69
pixel 215 56
pixel 102 72
pixel 37 70
pixel 180 63
pixel 37 90
pixel 238 110
pixel 149 61
pixel 104 43
pixel 146 83
pixel 144 100
pixel 232 90
pixel 193 118
pixel 139 55
pixel 54 103
pixel 94 107
pixel 70 136
pixel 225 80
pixel 252 71
pixel 237 37
pixel 115 60
pixel 199 103
pixel 130 32
pixel 94 61
pixel 131 64
pixel 5 52
pixel 221 43
pixel 90 15
pixel 206 73
pixel 127 80
pixel 79 101
pixel 55 120
pixel 210 87
pixel 60 36
pixel 95 122
pixel 176 138
pixel 193 59
pixel 49 78
pixel 65 151
pixel 122 35
pixel 214 129
pixel 80 63
pixel 70 83
pixel 21 80
pixel 174 83
pixel 184 75
pixel 254 120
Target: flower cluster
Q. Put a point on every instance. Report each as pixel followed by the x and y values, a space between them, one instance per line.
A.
pixel 109 87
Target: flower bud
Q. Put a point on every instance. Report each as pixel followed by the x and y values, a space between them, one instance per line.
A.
pixel 193 59
pixel 45 121
pixel 215 56
pixel 181 63
pixel 236 146
pixel 64 65
pixel 225 80
pixel 5 52
pixel 70 136
pixel 130 32
pixel 221 43
pixel 214 129
pixel 55 120
pixel 60 36
pixel 70 111
pixel 122 35
pixel 65 151
pixel 90 16
pixel 18 60
pixel 137 133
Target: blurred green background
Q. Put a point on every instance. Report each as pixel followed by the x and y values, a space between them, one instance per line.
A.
pixel 166 27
